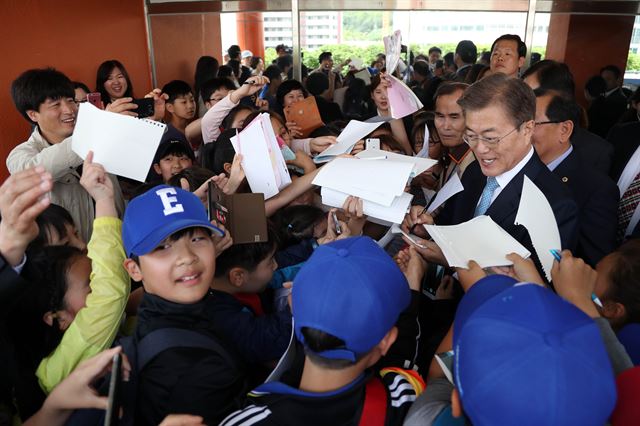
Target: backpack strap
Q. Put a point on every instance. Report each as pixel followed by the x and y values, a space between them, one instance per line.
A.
pixel 374 411
pixel 162 339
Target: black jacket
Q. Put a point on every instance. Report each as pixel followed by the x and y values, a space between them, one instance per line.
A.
pixel 595 151
pixel 183 380
pixel 625 139
pixel 257 339
pixel 597 198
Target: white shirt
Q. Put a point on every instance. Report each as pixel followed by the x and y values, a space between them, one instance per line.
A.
pixel 506 177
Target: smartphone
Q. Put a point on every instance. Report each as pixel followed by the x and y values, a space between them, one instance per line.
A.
pixel 372 143
pixel 215 210
pixel 145 107
pixel 95 99
pixel 338 228
pixel 112 416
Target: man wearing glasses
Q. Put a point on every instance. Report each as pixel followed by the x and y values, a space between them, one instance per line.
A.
pixel 595 193
pixel 500 120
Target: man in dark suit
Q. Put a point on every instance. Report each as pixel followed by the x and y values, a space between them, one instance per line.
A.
pixel 594 192
pixel 499 113
pixel 466 55
pixel 552 75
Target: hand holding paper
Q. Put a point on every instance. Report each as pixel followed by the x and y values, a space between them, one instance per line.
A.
pixel 345 141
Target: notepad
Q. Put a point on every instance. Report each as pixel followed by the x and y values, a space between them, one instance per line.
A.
pixel 305 114
pixel 387 214
pixel 123 145
pixel 420 165
pixel 479 239
pixel 346 140
pixel 378 181
pixel 402 100
pixel 262 159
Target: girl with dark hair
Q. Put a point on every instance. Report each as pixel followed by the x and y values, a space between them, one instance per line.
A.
pixel 378 90
pixel 74 307
pixel 113 82
pixel 56 228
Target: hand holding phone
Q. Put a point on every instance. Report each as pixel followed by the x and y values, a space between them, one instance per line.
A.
pixel 112 416
pixel 95 99
pixel 145 107
pixel 336 223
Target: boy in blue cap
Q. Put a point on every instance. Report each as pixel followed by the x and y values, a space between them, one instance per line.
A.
pixel 524 355
pixel 169 247
pixel 354 312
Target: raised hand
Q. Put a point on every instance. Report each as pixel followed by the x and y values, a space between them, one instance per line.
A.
pixel 124 106
pixel 321 143
pixel 412 266
pixel 95 181
pixel 23 196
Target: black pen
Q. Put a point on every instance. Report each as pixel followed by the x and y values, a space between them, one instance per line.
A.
pixel 416 224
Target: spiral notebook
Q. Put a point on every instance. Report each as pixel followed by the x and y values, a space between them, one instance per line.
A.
pixel 123 145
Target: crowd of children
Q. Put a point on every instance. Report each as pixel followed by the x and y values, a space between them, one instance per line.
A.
pixel 316 323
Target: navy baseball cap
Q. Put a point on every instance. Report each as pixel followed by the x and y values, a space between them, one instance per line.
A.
pixel 524 356
pixel 173 141
pixel 350 289
pixel 159 213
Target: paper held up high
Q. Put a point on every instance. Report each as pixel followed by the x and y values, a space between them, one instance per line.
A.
pixel 123 145
pixel 420 165
pixel 378 181
pixel 386 214
pixel 479 239
pixel 262 159
pixel 402 100
pixel 345 141
pixel 535 214
pixel 392 50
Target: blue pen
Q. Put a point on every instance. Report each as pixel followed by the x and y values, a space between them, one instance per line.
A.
pixel 556 255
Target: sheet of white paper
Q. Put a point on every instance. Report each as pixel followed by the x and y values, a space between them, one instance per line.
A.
pixel 261 158
pixel 479 239
pixel 351 134
pixel 379 181
pixel 535 214
pixel 356 63
pixel 424 152
pixel 392 214
pixel 448 190
pixel 420 164
pixel 392 50
pixel 123 145
pixel 364 75
pixel 402 100
pixel 395 228
pixel 378 119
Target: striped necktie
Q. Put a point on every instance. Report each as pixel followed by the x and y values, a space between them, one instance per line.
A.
pixel 627 206
pixel 487 194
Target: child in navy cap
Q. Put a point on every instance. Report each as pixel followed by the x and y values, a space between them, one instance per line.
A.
pixel 169 247
pixel 350 304
pixel 524 355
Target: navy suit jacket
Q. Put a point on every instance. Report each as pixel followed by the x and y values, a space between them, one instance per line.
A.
pixel 595 151
pixel 597 198
pixel 625 139
pixel 461 207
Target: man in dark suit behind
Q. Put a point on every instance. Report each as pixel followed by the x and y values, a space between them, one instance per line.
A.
pixel 499 113
pixel 594 192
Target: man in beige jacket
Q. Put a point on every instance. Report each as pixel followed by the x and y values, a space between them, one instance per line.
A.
pixel 45 97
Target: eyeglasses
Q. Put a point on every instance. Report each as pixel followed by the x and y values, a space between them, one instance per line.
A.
pixel 540 123
pixel 472 141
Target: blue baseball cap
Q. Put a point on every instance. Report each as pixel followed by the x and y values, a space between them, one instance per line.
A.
pixel 158 213
pixel 524 356
pixel 350 289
